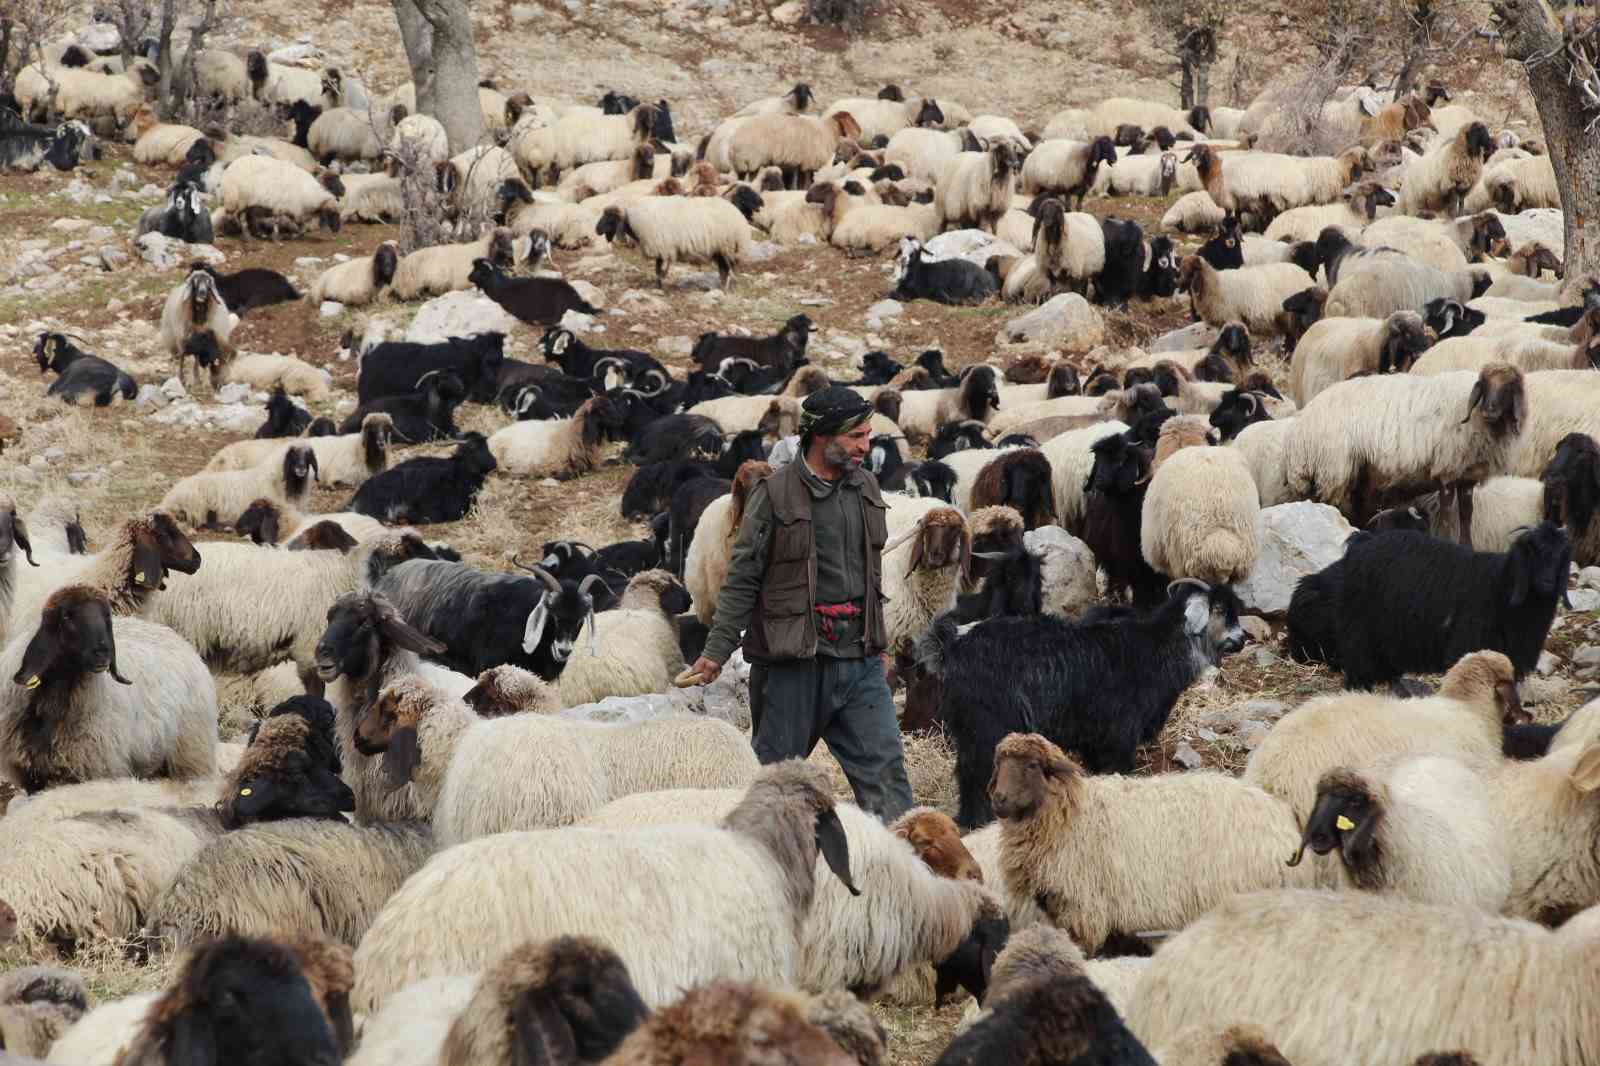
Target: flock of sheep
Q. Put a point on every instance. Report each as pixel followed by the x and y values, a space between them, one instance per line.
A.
pixel 437 845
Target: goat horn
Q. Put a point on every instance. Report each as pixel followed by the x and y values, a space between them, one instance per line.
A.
pixel 539 572
pixel 902 538
pixel 991 555
pixel 1201 585
pixel 589 582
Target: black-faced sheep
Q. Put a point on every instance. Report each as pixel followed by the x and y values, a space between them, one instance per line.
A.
pixel 394 368
pixel 427 489
pixel 1337 349
pixel 563 449
pixel 193 307
pixel 1107 686
pixel 212 498
pixel 285 418
pixel 357 282
pixel 975 187
pixel 80 375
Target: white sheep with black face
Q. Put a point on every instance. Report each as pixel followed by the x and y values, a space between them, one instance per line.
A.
pixel 194 307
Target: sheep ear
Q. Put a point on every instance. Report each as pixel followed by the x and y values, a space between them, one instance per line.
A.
pixel 402 757
pixel 1360 846
pixel 397 631
pixel 1474 399
pixel 966 552
pixel 37 658
pixel 19 537
pixel 540 1034
pixel 916 550
pixel 1521 576
pixel 1585 775
pixel 834 847
pixel 148 570
pixel 193 1043
pixel 536 623
pixel 269 529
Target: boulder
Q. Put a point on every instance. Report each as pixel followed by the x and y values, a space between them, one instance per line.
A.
pixel 1296 539
pixel 973 245
pixel 1067 568
pixel 1066 321
pixel 458 314
pixel 1194 335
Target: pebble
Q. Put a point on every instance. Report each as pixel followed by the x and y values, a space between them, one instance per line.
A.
pixel 1185 756
pixel 1584 599
pixel 1549 663
pixel 330 309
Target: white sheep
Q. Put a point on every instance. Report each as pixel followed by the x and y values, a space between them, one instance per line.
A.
pixel 924 153
pixel 266 371
pixel 476 175
pixel 1368 436
pixel 569 226
pixel 157 142
pixel 137 702
pixel 923 568
pixel 83 93
pixel 347 459
pixel 1151 175
pixel 1518 347
pixel 1071 458
pixel 256 188
pixel 705 565
pixel 446 268
pixel 346 134
pixel 1259 959
pixel 1064 167
pixel 870 228
pixel 1199 517
pixel 1462 721
pixel 594 179
pixel 1194 212
pixel 371 198
pixel 1105 854
pixel 1108 114
pixel 1441 179
pixel 194 306
pixel 237 147
pixel 1337 349
pixel 357 282
pixel 635 649
pixel 670 229
pixel 976 398
pixel 1435 243
pixel 874 117
pixel 420 137
pixel 1357 208
pixel 1376 286
pixel 1559 402
pixel 1519 185
pixel 577 138
pixel 207 499
pixel 1263 446
pixel 1069 247
pixel 797 143
pixel 1253 295
pixel 561 448
pixel 975 188
pixel 280 83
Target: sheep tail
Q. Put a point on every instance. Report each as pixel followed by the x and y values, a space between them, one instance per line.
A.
pixel 932 649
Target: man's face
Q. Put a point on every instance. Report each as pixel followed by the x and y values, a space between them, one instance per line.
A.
pixel 848 450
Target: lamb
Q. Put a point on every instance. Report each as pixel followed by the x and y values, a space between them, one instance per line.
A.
pixel 1252 295
pixel 1199 516
pixel 80 374
pixel 257 188
pixel 1504 601
pixel 1441 179
pixel 764 854
pixel 1463 721
pixel 637 650
pixel 1194 212
pixel 1364 438
pixel 923 411
pixel 534 301
pixel 975 187
pixel 923 567
pixel 258 370
pixel 1228 968
pixel 705 565
pixel 1419 827
pixel 394 368
pixel 428 489
pixel 448 268
pixel 695 229
pixel 1066 168
pixel 1086 847
pixel 1337 349
pixel 343 460
pixel 1109 685
pixel 69 723
pixel 564 448
pixel 209 499
pixel 192 307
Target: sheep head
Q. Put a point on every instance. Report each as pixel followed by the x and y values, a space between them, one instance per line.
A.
pixel 1404 338
pixel 506 689
pixel 1028 772
pixel 156 547
pixel 844 126
pixel 1100 381
pixel 1537 562
pixel 936 840
pixel 1062 381
pixel 1237 409
pixel 1346 816
pixel 323 536
pixel 1572 483
pixel 887 402
pixel 388 727
pixel 933 480
pixel 74 638
pixel 1500 399
pixel 286 772
pixel 941 539
pixel 1191 275
pixel 1486 675
pixel 1475 141
pixel 979 392
pixel 360 626
pixel 789 809
pixel 299 470
pixel 260 522
pixel 13 532
pixel 377 429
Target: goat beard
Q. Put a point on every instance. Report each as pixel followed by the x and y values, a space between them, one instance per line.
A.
pixel 836 456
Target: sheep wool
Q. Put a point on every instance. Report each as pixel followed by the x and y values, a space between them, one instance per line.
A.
pixel 1263 446
pixel 1253 295
pixel 1071 460
pixel 267 371
pixel 560 448
pixel 411 1028
pixel 696 229
pixel 1199 517
pixel 207 498
pixel 280 189
pixel 1337 349
pixel 100 1037
pixel 635 650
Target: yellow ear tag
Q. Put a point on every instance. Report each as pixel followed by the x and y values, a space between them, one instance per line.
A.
pixel 244 792
pixel 1344 823
pixel 33 682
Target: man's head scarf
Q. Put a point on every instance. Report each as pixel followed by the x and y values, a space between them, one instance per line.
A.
pixel 833 411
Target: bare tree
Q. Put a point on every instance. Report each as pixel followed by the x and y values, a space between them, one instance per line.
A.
pixel 28 24
pixel 1560 61
pixel 444 65
pixel 131 18
pixel 1191 32
pixel 178 74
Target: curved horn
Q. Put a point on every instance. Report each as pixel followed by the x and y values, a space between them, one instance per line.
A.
pixel 539 572
pixel 1201 585
pixel 901 539
pixel 589 582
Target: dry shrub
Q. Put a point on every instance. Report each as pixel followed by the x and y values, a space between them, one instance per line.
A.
pixel 846 14
pixel 429 217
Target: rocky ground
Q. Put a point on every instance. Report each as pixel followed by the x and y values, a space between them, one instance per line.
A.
pixel 67 262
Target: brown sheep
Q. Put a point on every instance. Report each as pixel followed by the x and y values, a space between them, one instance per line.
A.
pixel 507 689
pixel 732 1024
pixel 937 842
pixel 1181 431
pixel 1019 479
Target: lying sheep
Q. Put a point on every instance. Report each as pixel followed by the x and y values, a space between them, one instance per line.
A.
pixel 1252 295
pixel 1463 721
pixel 371 198
pixel 74 716
pixel 343 460
pixel 1337 349
pixel 447 268
pixel 260 371
pixel 564 448
pixel 1199 516
pixel 357 282
pixel 209 499
pixel 258 189
pixel 923 411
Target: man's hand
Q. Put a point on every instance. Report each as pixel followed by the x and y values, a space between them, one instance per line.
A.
pixel 706 670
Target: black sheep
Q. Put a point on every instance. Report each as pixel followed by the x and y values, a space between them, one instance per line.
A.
pixel 1305 310
pixel 784 350
pixel 1451 318
pixel 886 463
pixel 618 563
pixel 1098 689
pixel 1225 251
pixel 932 361
pixel 425 415
pixel 1118 281
pixel 877 368
pixel 427 489
pixel 1113 506
pixel 934 480
pixel 675 437
pixel 1313 631
pixel 576 359
pixel 79 373
pixel 1572 484
pixel 250 288
pixel 535 301
pixel 615 103
pixel 1409 602
pixel 394 368
pixel 302 114
pixel 199 159
pixel 962 436
pixel 651 489
pixel 946 281
pixel 285 418
pixel 1057 1020
pixel 1146 427
pixel 1014 586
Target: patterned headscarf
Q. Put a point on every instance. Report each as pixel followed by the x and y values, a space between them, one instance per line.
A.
pixel 832 411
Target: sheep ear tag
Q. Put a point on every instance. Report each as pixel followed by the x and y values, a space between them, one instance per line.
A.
pixel 835 847
pixel 1344 823
pixel 1195 615
pixel 536 622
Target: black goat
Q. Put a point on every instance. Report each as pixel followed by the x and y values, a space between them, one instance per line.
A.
pixel 961 436
pixel 1225 251
pixel 749 378
pixel 79 373
pixel 250 288
pixel 651 489
pixel 564 348
pixel 932 361
pixel 946 281
pixel 689 501
pixel 784 350
pixel 933 480
pixel 1119 280
pixel 285 418
pixel 394 368
pixel 183 217
pixel 877 368
pixel 675 437
pixel 427 489
pixel 1409 602
pixel 1098 689
pixel 24 147
pixel 1113 506
pixel 555 395
pixel 535 301
pixel 887 464
pixel 1160 278
pixel 1452 318
pixel 197 161
pixel 1238 408
pixel 425 415
pixel 618 563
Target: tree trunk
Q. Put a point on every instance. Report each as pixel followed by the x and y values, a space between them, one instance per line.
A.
pixel 1186 90
pixel 5 53
pixel 1530 32
pixel 1422 25
pixel 169 22
pixel 444 65
pixel 1202 85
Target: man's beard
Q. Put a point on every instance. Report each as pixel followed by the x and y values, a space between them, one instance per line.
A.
pixel 838 456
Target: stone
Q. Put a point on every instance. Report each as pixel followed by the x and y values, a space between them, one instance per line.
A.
pixel 112 258
pixel 1295 539
pixel 973 245
pixel 788 14
pixel 761 251
pixel 458 314
pixel 1584 599
pixel 233 392
pixel 69 225
pixel 578 322
pixel 80 478
pixel 306 262
pixel 1586 658
pixel 174 390
pixel 294 53
pixel 1067 569
pixel 1257 627
pixel 150 397
pixel 1233 719
pixel 890 309
pixel 1066 320
pixel 815 301
pixel 591 293
pixel 330 309
pixel 1263 658
pixel 54 454
pixel 1549 663
pixel 1194 335
pixel 522 14
pixel 639 300
pixel 160 252
pixel 1185 756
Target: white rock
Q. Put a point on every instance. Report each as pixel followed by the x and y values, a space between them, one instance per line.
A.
pixel 1194 335
pixel 1296 539
pixel 70 225
pixel 1185 756
pixel 591 294
pixel 1066 320
pixel 174 390
pixel 761 251
pixel 578 322
pixel 1589 577
pixel 330 309
pixel 233 392
pixel 294 53
pixel 458 314
pixel 1067 569
pixel 1549 663
pixel 1584 599
pixel 815 301
pixel 150 397
pixel 305 262
pixel 973 245
pixel 160 252
pixel 54 454
pixel 674 345
pixel 99 37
